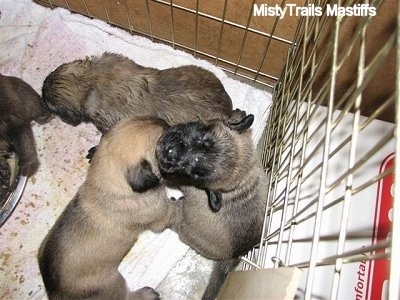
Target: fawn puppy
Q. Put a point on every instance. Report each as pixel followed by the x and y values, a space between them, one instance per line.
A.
pixel 120 198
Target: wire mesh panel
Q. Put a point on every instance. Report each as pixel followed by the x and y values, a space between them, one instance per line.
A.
pixel 331 197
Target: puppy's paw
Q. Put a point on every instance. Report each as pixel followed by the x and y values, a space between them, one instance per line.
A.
pixel 237 115
pixel 91 153
pixel 145 293
pixel 28 168
pixel 5 150
pixel 242 125
pixel 44 117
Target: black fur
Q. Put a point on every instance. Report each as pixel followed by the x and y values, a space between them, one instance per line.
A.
pixel 192 153
pixel 188 151
pixel 90 153
pixel 141 177
pixel 214 200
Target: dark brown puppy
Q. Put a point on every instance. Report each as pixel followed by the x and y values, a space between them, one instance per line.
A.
pixel 106 89
pixel 19 105
pixel 219 157
pixel 80 256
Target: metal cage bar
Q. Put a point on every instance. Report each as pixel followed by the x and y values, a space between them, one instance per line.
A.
pixel 246 30
pixel 128 17
pixel 221 31
pixel 149 21
pixel 349 179
pixel 268 44
pixel 172 25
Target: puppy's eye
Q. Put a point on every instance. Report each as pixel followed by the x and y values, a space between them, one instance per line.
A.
pixel 208 144
pixel 199 172
pixel 204 144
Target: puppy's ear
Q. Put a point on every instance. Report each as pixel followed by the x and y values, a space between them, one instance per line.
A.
pixel 141 177
pixel 243 124
pixel 214 200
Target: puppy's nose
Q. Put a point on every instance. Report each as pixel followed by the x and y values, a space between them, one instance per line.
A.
pixel 174 150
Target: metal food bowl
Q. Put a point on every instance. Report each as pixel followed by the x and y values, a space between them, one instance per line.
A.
pixel 9 198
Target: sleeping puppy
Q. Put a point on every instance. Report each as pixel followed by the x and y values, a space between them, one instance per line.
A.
pixel 120 198
pixel 219 157
pixel 106 89
pixel 19 105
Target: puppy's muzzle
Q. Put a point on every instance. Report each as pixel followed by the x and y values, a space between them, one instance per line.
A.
pixel 175 162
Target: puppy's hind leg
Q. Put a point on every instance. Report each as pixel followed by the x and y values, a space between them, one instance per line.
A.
pixel 221 269
pixel 23 143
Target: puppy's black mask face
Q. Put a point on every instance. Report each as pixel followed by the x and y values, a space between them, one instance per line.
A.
pixel 200 154
pixel 189 152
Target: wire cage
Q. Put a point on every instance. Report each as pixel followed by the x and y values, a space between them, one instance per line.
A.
pixel 323 147
pixel 330 141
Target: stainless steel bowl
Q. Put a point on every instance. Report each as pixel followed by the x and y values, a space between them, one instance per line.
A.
pixel 9 201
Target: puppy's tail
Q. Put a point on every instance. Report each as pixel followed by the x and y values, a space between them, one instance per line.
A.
pixel 220 271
